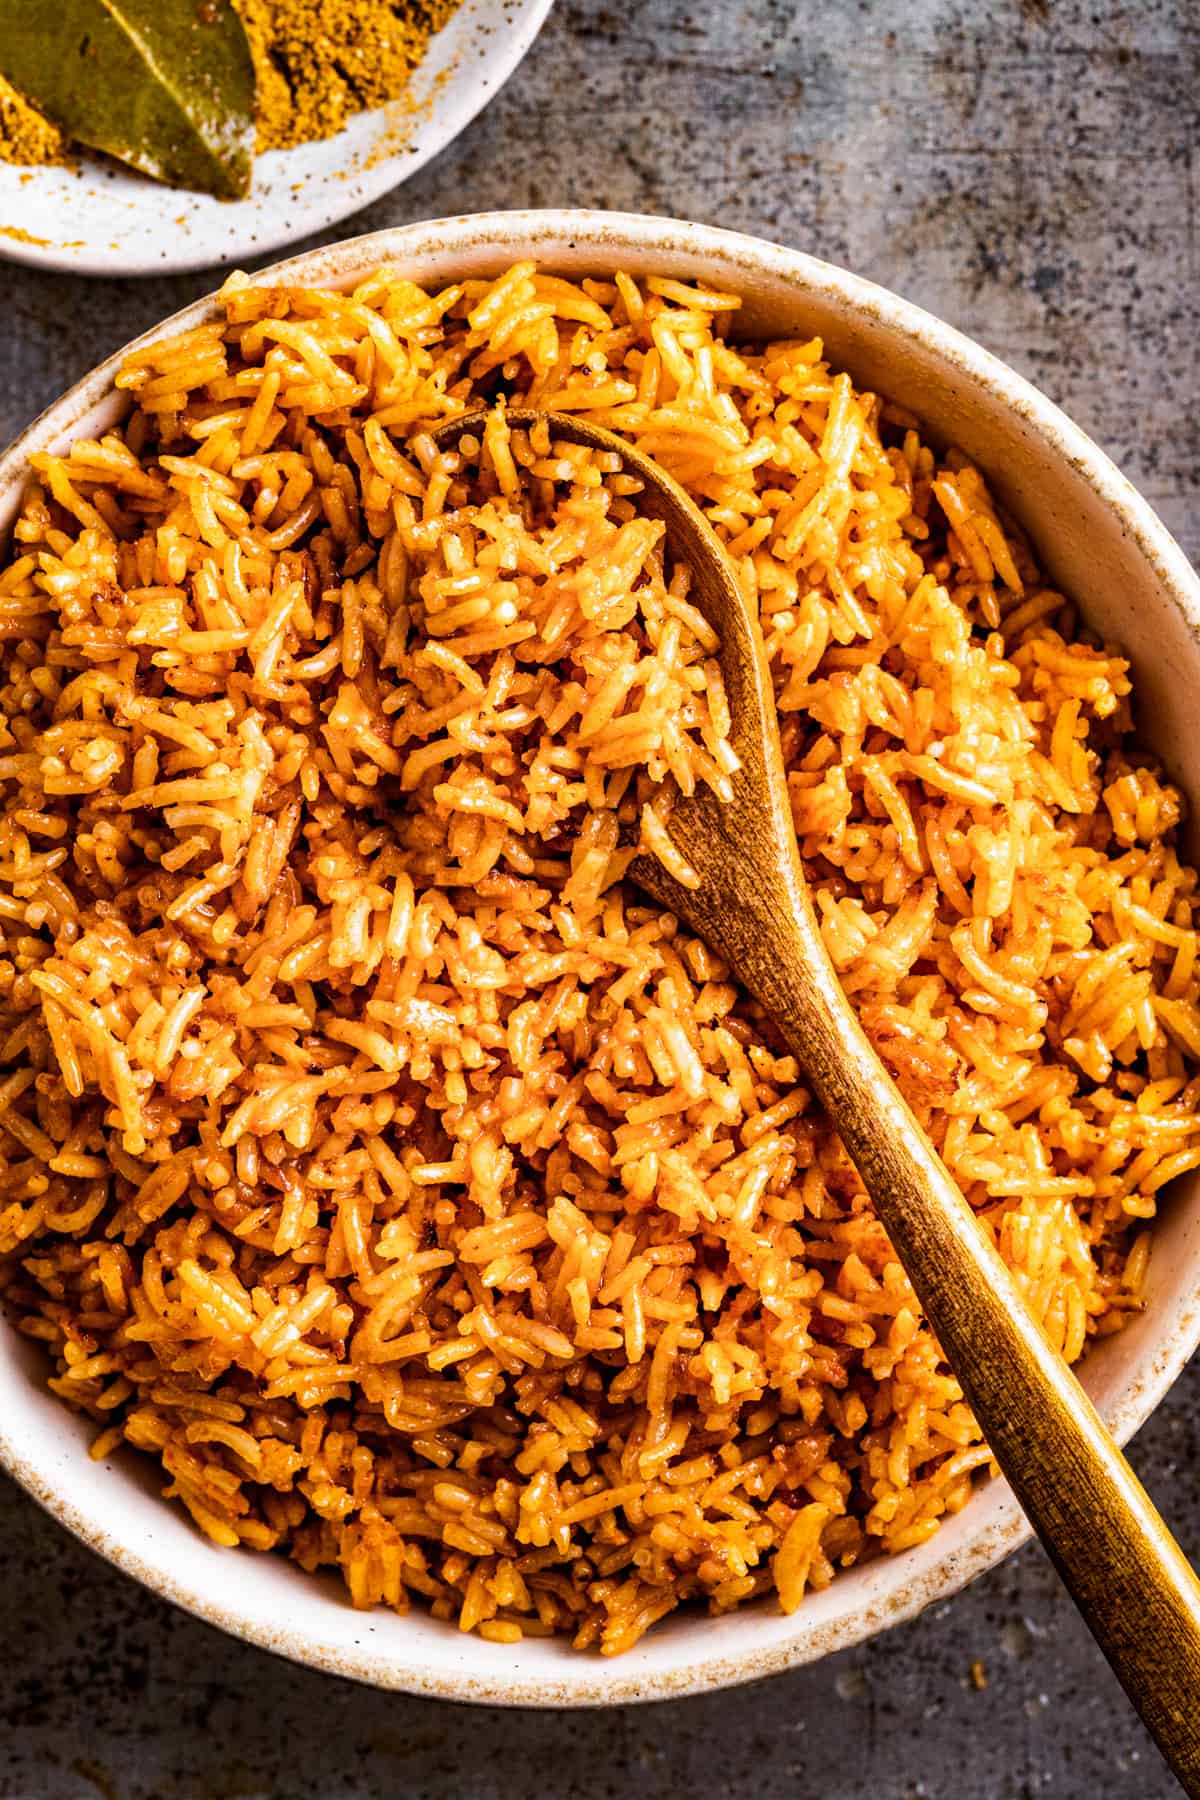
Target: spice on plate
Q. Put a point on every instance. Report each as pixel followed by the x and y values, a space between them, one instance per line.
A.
pixel 26 135
pixel 316 64
pixel 321 61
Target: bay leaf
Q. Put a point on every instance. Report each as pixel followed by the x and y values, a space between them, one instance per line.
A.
pixel 164 85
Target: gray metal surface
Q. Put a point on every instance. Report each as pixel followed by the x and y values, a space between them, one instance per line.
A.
pixel 1028 171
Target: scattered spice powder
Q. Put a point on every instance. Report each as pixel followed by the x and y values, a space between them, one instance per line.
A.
pixel 316 64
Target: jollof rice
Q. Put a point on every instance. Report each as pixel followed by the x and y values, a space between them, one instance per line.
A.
pixel 426 1201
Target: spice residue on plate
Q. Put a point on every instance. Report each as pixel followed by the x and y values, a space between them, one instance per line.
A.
pixel 317 63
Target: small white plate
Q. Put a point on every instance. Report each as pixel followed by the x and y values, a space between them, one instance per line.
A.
pixel 103 219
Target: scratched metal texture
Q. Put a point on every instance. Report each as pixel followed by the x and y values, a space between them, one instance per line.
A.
pixel 1028 171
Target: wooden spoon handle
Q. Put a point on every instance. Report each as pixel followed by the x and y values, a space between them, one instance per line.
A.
pixel 1126 1572
pixel 751 903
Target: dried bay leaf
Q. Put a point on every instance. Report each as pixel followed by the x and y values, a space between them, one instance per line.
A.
pixel 164 85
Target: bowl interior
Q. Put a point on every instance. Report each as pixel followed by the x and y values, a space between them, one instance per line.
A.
pixel 1100 543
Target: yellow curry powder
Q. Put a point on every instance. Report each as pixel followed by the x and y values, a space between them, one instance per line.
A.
pixel 25 135
pixel 316 64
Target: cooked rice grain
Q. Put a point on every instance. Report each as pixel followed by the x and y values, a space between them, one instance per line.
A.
pixel 424 1200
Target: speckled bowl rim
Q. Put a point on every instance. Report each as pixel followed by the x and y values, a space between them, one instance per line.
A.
pixel 604 237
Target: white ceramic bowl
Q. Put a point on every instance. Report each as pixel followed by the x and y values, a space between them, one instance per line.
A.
pixel 1103 544
pixel 103 219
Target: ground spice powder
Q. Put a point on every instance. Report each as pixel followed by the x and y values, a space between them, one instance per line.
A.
pixel 317 63
pixel 27 137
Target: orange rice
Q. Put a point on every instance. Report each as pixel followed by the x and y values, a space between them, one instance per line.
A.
pixel 425 1200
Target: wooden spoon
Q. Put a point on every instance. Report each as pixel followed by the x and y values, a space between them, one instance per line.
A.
pixel 1122 1566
